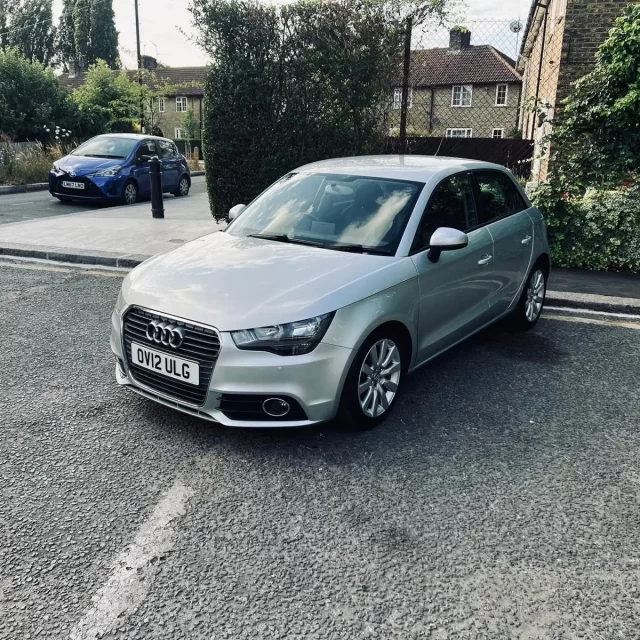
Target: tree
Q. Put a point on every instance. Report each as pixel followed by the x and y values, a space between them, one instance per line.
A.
pixel 87 33
pixel 31 30
pixel 6 9
pixel 290 85
pixel 596 140
pixel 110 101
pixel 31 98
pixel 65 36
pixel 189 124
pixel 103 35
pixel 82 31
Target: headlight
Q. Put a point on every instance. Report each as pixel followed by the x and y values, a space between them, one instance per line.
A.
pixel 293 339
pixel 120 303
pixel 55 167
pixel 108 173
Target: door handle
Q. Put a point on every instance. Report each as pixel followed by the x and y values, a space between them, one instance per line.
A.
pixel 486 259
pixel 526 240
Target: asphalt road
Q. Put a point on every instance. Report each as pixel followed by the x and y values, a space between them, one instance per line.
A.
pixel 500 501
pixel 19 207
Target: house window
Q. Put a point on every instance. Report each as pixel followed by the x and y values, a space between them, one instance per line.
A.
pixel 498 133
pixel 461 95
pixel 397 98
pixel 459 133
pixel 161 106
pixel 181 105
pixel 502 90
pixel 179 134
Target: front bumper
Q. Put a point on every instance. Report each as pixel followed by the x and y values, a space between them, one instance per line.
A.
pixel 95 188
pixel 313 380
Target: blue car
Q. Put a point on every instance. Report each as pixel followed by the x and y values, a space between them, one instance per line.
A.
pixel 116 167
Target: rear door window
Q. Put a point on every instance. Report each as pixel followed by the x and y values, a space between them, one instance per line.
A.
pixel 498 196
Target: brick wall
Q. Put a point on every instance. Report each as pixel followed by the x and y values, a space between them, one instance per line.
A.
pixel 171 119
pixel 587 26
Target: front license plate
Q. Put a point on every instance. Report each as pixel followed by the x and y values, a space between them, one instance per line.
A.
pixel 72 185
pixel 170 366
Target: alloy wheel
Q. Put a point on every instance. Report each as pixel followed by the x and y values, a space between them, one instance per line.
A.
pixel 379 378
pixel 184 187
pixel 535 295
pixel 130 193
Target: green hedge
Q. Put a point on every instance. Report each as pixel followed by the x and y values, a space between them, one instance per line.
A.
pixel 598 231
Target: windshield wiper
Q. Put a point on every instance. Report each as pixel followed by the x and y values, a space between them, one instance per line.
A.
pixel 95 155
pixel 357 248
pixel 283 237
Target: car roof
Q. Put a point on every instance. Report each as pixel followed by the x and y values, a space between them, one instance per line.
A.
pixel 131 136
pixel 415 168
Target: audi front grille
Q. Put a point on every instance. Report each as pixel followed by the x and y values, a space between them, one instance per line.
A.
pixel 200 344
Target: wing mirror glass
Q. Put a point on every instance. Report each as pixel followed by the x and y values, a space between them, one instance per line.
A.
pixel 144 158
pixel 234 212
pixel 446 239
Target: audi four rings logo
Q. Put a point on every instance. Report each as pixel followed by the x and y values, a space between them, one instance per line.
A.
pixel 165 333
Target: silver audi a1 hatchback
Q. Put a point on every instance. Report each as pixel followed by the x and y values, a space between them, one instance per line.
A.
pixel 325 292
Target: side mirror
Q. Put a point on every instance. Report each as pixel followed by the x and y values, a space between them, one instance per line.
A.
pixel 234 212
pixel 446 239
pixel 144 158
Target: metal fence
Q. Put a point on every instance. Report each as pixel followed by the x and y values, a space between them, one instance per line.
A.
pixel 484 89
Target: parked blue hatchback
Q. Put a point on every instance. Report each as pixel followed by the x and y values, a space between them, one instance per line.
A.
pixel 116 167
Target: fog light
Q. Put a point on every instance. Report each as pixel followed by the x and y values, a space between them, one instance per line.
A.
pixel 276 407
pixel 121 367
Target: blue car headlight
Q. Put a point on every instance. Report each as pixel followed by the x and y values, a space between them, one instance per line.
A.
pixel 111 172
pixel 293 339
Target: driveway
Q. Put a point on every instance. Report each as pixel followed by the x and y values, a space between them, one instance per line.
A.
pixel 19 207
pixel 499 501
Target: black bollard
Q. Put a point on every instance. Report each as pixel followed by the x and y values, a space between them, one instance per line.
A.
pixel 157 203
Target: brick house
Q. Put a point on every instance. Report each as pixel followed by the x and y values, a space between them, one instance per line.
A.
pixel 186 93
pixel 461 91
pixel 559 44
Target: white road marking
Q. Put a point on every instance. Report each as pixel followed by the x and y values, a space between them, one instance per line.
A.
pixel 606 323
pixel 606 314
pixel 134 569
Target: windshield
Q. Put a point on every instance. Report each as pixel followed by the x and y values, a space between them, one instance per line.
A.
pixel 106 147
pixel 341 212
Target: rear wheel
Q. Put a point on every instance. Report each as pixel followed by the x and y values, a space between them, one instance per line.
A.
pixel 130 193
pixel 183 187
pixel 373 381
pixel 531 303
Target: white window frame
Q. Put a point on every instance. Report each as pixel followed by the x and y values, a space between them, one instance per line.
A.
pixel 182 104
pixel 161 105
pixel 450 130
pixel 501 136
pixel 463 87
pixel 397 98
pixel 179 133
pixel 506 95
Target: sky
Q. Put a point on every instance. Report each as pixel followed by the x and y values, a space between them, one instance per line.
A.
pixel 161 21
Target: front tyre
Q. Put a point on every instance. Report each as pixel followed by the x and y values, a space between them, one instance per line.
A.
pixel 130 193
pixel 373 382
pixel 531 303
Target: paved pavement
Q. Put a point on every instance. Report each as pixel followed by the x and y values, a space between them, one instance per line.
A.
pixel 112 235
pixel 499 501
pixel 40 204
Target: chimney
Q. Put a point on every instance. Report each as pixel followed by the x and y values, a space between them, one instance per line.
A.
pixel 149 63
pixel 459 38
